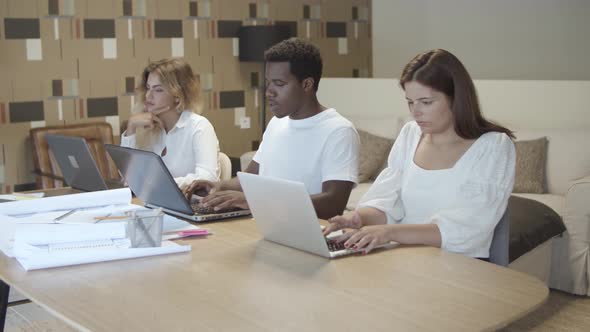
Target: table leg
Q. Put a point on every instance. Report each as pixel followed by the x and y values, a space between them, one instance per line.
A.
pixel 4 290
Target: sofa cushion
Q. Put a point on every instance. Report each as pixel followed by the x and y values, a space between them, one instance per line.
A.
pixel 531 224
pixel 568 156
pixel 555 202
pixel 531 157
pixel 373 153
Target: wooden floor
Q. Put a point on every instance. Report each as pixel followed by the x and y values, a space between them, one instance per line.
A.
pixel 561 312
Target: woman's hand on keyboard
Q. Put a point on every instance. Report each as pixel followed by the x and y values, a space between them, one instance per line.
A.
pixel 349 220
pixel 367 238
pixel 225 199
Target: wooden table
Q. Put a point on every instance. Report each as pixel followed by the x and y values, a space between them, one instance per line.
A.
pixel 233 280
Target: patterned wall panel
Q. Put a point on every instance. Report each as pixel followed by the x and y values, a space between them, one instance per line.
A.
pixel 75 61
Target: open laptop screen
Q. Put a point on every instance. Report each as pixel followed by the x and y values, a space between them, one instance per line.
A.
pixel 76 163
pixel 149 178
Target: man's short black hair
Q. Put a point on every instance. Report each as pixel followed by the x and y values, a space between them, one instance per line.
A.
pixel 304 58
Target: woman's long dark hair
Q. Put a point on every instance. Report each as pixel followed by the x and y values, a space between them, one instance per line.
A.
pixel 442 71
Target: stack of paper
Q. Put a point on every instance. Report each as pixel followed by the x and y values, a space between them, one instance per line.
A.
pixel 40 242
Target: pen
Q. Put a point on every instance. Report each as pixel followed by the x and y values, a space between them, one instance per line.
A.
pixel 193 232
pixel 111 217
pixel 64 215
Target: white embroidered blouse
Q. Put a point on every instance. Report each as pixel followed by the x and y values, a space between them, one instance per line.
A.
pixel 465 201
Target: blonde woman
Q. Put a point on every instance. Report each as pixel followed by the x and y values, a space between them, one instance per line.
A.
pixel 165 122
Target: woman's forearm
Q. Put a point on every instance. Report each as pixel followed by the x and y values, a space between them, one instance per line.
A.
pixel 425 234
pixel 371 216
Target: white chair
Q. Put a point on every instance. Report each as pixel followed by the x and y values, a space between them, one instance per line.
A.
pixel 224 166
pixel 245 159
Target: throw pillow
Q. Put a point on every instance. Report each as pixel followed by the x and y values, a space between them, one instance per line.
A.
pixel 531 157
pixel 373 154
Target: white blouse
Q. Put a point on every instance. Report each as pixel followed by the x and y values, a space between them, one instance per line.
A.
pixel 191 149
pixel 465 201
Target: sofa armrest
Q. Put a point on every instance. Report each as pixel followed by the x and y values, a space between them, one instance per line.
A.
pixel 570 271
pixel 576 216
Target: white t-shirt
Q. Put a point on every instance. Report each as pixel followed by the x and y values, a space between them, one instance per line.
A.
pixel 191 149
pixel 314 150
pixel 465 201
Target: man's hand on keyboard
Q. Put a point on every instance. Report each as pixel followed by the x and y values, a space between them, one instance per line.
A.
pixel 200 188
pixel 225 199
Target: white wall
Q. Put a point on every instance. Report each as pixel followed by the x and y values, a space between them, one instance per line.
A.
pixel 495 39
pixel 378 105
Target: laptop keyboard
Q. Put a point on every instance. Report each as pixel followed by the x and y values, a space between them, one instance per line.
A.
pixel 335 246
pixel 198 208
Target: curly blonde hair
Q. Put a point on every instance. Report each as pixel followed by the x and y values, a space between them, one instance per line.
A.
pixel 177 77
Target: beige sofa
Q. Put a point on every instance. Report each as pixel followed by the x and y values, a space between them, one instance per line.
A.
pixel 530 108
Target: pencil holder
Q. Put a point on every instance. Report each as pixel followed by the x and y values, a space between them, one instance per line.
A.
pixel 144 228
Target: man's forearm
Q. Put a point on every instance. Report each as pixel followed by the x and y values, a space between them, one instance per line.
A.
pixel 231 184
pixel 326 206
pixel 234 183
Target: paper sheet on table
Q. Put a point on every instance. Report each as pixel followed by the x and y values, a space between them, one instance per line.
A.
pixel 76 257
pixel 74 201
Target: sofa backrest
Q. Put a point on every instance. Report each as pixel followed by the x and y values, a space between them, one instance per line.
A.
pixel 373 104
pixel 556 109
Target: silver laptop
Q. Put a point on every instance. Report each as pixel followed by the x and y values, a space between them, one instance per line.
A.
pixel 77 165
pixel 151 181
pixel 285 214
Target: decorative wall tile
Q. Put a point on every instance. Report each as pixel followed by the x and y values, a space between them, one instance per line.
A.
pixel 252 10
pixel 231 99
pixel 204 8
pixel 26 111
pixel 53 7
pixel 228 29
pixel 68 7
pixel 335 29
pixel 34 50
pixel 292 25
pixel 193 8
pixel 98 107
pixel 177 45
pixel 109 48
pixel 57 88
pixel 21 28
pixel 168 28
pixel 254 79
pixel 129 84
pixel 99 28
